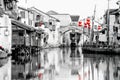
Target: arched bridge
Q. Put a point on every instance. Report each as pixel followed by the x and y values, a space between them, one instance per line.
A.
pixel 66 29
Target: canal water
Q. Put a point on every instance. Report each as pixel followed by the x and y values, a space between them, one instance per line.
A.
pixel 61 64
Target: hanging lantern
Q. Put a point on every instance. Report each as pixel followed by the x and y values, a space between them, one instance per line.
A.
pixel 88 21
pixel 85 25
pixel 89 26
pixel 80 23
pixel 99 27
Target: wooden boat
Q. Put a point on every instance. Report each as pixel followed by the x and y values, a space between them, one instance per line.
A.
pixel 93 49
pixel 116 50
pixel 97 50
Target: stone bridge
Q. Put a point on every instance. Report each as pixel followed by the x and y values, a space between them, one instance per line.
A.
pixel 66 29
pixel 64 37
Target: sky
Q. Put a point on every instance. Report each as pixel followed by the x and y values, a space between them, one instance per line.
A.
pixel 84 8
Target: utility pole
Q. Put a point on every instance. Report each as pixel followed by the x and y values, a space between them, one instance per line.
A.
pixel 92 32
pixel 108 23
pixel 83 30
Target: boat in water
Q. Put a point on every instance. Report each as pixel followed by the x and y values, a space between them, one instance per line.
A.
pixel 104 38
pixel 94 49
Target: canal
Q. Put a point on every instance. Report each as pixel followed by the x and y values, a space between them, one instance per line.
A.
pixel 62 64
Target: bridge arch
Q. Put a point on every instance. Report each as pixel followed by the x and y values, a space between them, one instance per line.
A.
pixel 66 29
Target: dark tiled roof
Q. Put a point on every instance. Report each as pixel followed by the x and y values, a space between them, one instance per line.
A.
pixel 21 25
pixel 112 11
pixel 51 12
pixel 26 27
pixel 74 18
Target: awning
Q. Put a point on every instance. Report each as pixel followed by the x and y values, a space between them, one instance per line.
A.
pixel 21 25
pixel 114 11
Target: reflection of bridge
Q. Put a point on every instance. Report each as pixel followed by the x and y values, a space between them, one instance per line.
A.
pixel 66 29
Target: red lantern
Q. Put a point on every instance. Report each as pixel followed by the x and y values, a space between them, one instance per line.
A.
pixel 99 27
pixel 80 23
pixel 89 26
pixel 88 21
pixel 85 25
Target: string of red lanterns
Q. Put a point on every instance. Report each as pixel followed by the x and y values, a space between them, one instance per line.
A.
pixel 87 24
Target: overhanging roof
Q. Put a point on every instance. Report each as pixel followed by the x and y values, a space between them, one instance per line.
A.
pixel 112 11
pixel 27 27
pixel 21 25
pixel 74 18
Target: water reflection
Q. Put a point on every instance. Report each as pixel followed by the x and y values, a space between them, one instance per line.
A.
pixel 67 64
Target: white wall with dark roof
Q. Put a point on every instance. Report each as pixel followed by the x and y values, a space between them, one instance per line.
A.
pixel 65 19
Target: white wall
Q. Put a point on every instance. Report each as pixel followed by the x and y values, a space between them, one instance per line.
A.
pixel 65 20
pixel 28 17
pixel 112 20
pixel 5 42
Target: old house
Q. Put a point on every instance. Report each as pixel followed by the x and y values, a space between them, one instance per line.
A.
pixel 49 24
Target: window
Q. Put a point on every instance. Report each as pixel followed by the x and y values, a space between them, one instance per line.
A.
pixel 38 18
pixel 30 15
pixel 30 22
pixel 22 13
pixel 50 23
pixel 103 32
pixel 115 29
